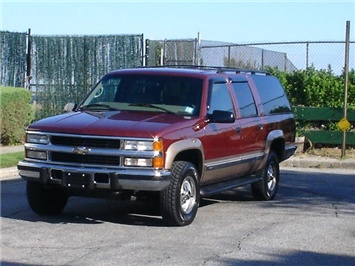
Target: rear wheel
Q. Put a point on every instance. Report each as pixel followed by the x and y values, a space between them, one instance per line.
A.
pixel 179 202
pixel 266 189
pixel 45 201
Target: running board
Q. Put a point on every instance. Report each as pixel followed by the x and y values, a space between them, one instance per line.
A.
pixel 229 184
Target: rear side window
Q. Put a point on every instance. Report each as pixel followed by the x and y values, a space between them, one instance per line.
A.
pixel 272 94
pixel 245 99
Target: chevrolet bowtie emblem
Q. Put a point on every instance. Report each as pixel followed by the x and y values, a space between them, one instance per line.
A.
pixel 81 150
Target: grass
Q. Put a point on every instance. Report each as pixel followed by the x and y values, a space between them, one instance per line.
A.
pixel 11 159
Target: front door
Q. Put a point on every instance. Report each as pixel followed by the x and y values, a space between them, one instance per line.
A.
pixel 221 141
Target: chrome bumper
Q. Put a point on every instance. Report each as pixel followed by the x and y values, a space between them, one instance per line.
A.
pixel 95 178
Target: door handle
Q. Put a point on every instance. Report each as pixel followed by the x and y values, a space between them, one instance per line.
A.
pixel 238 130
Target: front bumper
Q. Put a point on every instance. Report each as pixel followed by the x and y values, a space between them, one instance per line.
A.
pixel 95 178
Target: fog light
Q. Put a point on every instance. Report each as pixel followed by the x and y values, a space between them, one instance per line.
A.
pixel 138 162
pixel 39 155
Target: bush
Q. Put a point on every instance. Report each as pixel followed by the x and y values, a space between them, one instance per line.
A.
pixel 316 88
pixel 16 114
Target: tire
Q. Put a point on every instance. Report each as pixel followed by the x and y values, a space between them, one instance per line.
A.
pixel 45 201
pixel 180 201
pixel 266 189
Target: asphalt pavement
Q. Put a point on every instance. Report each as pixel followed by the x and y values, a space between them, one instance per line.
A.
pixel 310 222
pixel 301 160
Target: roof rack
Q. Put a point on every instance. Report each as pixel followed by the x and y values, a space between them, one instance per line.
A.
pixel 219 69
pixel 244 70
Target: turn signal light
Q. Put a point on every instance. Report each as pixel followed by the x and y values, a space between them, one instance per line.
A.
pixel 158 162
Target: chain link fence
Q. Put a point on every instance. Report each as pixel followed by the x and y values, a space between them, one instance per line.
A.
pixel 64 68
pixel 317 54
pixel 286 56
pixel 243 56
pixel 60 69
pixel 12 58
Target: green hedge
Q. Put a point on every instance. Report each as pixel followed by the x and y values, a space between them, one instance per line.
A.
pixel 316 88
pixel 16 114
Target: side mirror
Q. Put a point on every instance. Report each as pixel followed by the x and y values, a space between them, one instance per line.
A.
pixel 69 107
pixel 222 117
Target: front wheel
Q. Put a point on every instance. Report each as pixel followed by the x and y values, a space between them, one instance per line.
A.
pixel 180 201
pixel 45 201
pixel 266 189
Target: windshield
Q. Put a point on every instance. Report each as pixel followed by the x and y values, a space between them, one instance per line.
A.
pixel 179 95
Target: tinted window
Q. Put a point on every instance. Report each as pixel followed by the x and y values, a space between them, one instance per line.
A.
pixel 220 98
pixel 177 94
pixel 272 94
pixel 105 91
pixel 245 99
pixel 180 91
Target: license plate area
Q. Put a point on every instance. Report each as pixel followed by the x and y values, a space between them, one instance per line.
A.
pixel 77 180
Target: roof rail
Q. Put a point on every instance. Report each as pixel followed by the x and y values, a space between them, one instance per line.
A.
pixel 243 70
pixel 219 69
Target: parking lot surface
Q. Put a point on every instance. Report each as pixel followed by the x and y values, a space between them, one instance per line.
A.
pixel 311 222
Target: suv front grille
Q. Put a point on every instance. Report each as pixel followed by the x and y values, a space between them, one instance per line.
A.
pixel 87 142
pixel 75 141
pixel 85 159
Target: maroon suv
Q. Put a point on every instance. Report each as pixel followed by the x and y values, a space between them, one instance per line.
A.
pixel 180 133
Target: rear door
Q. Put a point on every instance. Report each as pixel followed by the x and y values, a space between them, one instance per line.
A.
pixel 253 128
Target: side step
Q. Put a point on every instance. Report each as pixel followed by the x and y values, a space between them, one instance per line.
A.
pixel 229 184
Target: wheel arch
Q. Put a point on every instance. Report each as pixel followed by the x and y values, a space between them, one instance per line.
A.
pixel 190 150
pixel 276 142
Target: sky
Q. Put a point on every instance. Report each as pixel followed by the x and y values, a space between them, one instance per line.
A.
pixel 229 21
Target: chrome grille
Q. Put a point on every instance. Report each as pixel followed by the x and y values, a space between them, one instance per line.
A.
pixel 89 142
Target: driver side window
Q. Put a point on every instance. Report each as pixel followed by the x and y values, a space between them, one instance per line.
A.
pixel 220 99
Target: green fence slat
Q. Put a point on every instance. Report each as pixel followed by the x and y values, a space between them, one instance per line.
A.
pixel 330 137
pixel 322 114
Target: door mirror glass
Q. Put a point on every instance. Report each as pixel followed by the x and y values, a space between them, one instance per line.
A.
pixel 222 117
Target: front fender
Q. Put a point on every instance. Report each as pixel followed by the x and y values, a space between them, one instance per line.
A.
pixel 181 146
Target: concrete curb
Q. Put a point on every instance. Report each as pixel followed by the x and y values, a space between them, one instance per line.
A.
pixel 9 173
pixel 11 149
pixel 310 161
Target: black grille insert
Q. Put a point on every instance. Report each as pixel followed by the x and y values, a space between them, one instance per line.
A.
pixel 86 142
pixel 85 159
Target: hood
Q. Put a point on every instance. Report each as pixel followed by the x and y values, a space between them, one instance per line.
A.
pixel 114 123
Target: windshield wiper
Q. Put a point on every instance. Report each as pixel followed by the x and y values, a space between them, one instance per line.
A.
pixel 97 106
pixel 152 106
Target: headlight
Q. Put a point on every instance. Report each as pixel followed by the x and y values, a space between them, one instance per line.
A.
pixel 39 155
pixel 37 138
pixel 156 145
pixel 138 145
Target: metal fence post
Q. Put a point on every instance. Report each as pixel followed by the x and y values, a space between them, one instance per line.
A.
pixel 307 51
pixel 147 50
pixel 346 74
pixel 28 60
pixel 198 49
